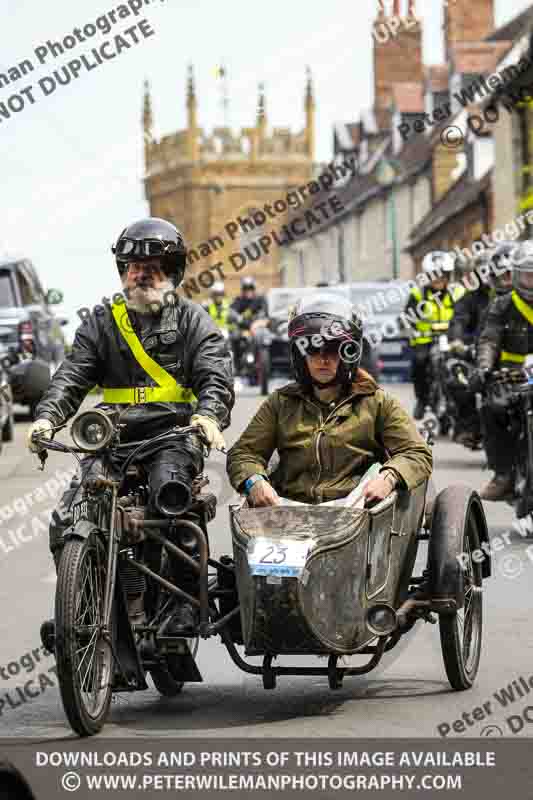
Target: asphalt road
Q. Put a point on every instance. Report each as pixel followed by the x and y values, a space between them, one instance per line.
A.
pixel 407 696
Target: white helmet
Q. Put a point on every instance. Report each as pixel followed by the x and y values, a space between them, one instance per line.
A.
pixel 217 288
pixel 438 261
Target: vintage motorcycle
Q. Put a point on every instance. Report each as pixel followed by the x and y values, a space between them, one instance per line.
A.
pixel 461 401
pixel 510 391
pixel 334 582
pixel 438 406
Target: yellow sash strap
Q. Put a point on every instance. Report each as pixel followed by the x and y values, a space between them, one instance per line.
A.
pixel 525 309
pixel 167 391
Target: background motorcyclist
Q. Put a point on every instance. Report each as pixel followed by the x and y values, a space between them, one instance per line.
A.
pixel 330 425
pixel 493 271
pixel 219 308
pixel 250 308
pixel 249 305
pixel 506 340
pixel 116 349
pixel 432 304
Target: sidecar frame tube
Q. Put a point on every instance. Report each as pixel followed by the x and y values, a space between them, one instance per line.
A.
pixel 252 669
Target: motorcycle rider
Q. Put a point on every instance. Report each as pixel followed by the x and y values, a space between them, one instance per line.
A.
pixel 249 305
pixel 434 306
pixel 331 424
pixel 219 307
pixel 506 340
pixel 466 325
pixel 160 359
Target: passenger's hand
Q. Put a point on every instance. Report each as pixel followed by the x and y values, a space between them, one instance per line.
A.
pixel 263 494
pixel 211 431
pixel 44 428
pixel 377 490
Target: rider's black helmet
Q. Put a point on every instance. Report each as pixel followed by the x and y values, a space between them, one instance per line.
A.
pixel 152 238
pixel 247 283
pixel 321 321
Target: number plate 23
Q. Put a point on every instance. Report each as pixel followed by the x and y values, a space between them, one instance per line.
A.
pixel 283 557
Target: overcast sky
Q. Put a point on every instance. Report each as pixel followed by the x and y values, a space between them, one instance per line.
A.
pixel 71 163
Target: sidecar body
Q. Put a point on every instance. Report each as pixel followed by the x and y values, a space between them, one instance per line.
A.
pixel 308 576
pixel 339 582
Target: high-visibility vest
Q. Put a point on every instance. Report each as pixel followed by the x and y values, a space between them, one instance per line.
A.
pixel 527 312
pixel 219 314
pixel 168 389
pixel 437 315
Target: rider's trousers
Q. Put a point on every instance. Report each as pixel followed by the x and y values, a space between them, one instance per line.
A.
pixel 420 371
pixel 500 455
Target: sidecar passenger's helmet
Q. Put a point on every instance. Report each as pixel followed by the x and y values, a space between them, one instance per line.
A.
pixel 523 271
pixel 320 322
pixel 438 264
pixel 502 267
pixel 152 238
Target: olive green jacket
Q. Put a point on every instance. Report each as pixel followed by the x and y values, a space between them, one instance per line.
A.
pixel 323 455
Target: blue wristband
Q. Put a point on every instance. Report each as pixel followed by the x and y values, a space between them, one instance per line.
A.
pixel 250 482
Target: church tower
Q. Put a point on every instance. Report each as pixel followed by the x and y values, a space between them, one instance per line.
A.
pixel 202 182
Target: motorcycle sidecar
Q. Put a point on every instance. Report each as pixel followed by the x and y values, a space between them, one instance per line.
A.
pixel 339 581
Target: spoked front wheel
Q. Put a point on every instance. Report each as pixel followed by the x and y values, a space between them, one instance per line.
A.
pixel 84 658
pixel 460 633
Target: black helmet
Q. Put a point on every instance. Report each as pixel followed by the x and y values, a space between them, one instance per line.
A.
pixel 502 261
pixel 315 323
pixel 247 283
pixel 152 238
pixel 523 270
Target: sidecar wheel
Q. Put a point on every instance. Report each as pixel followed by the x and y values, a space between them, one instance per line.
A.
pixel 461 631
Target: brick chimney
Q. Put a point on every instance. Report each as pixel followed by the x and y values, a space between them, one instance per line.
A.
pixel 467 21
pixel 397 49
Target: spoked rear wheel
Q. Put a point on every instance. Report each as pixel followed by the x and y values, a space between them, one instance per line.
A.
pixel 84 659
pixel 460 633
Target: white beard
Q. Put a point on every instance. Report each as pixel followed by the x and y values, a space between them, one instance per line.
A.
pixel 149 301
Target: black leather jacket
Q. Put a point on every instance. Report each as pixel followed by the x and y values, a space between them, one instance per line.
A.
pixel 505 330
pixel 250 308
pixel 469 314
pixel 182 338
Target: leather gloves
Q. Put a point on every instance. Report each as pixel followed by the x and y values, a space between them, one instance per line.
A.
pixel 458 347
pixel 211 431
pixel 41 426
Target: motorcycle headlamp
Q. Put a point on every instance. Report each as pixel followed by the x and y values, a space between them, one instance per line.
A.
pixel 92 431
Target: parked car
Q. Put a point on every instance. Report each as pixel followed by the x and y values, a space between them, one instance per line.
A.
pixel 7 421
pixel 381 303
pixel 31 339
pixel 272 341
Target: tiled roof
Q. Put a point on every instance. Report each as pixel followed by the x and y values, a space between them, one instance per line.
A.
pixel 461 195
pixel 408 97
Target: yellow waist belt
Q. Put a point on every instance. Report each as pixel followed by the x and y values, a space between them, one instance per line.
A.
pixel 167 390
